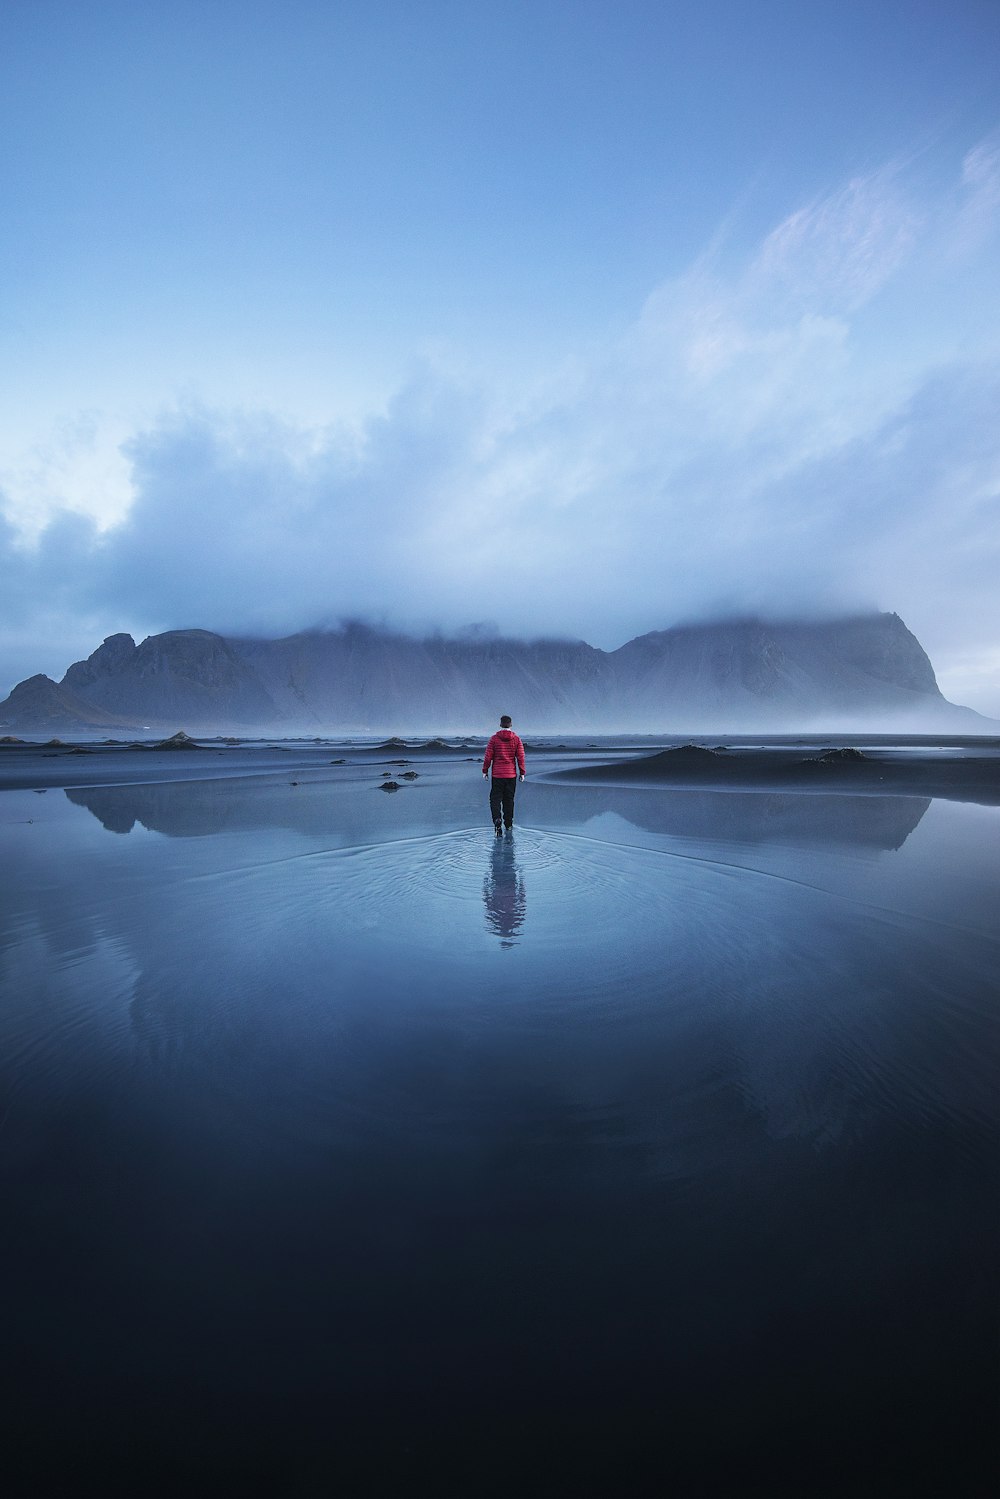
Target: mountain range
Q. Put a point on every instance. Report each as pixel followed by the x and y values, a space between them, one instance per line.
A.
pixel 862 671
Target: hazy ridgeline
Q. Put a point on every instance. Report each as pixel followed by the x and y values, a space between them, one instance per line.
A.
pixel 865 671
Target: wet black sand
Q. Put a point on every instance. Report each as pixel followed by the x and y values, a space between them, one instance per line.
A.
pixel 959 771
pixel 346 1149
pixel 952 767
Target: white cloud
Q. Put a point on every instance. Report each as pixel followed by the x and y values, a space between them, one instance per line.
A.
pixel 978 215
pixel 838 252
pixel 744 445
pixel 79 466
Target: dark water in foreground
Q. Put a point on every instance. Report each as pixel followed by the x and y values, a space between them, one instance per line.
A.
pixel 346 1151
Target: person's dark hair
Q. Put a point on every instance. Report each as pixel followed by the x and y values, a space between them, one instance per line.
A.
pixel 505 721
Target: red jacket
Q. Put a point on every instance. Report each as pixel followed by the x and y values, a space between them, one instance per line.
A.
pixel 506 754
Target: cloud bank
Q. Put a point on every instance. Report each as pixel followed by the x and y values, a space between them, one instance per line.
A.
pixel 794 431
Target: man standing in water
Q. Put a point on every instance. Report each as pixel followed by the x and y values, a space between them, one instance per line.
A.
pixel 505 753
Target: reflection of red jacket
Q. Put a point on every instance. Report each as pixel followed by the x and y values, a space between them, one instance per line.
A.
pixel 506 754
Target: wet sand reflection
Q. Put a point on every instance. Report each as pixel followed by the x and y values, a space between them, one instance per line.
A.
pixel 503 892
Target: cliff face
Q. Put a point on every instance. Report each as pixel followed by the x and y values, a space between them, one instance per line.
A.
pixel 40 704
pixel 110 659
pixel 737 673
pixel 864 664
pixel 183 675
pixel 360 677
pixel 744 674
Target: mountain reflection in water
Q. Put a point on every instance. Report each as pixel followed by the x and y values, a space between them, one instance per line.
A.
pixel 325 1170
pixel 346 815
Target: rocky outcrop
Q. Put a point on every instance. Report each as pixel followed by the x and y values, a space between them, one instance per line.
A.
pixel 110 659
pixel 178 741
pixel 738 670
pixel 866 670
pixel 191 675
pixel 368 679
pixel 41 704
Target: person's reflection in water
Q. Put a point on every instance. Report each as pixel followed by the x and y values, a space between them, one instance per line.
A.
pixel 503 894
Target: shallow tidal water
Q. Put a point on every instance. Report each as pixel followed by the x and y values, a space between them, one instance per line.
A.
pixel 348 1150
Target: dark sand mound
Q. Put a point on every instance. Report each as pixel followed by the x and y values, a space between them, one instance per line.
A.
pixel 664 765
pixel 846 756
pixel 686 754
pixel 973 777
pixel 413 748
pixel 178 741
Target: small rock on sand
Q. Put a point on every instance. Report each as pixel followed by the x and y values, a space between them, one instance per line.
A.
pixel 178 741
pixel 840 756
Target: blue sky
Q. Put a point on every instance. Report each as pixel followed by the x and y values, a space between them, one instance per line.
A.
pixel 582 318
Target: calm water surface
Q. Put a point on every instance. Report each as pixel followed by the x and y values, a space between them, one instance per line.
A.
pixel 346 1150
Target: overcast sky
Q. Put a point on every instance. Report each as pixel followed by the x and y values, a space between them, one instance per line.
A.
pixel 584 318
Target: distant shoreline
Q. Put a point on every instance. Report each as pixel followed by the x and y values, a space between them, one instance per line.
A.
pixel 957 768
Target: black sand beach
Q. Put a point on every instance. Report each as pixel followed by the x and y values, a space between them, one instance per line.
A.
pixel 960 769
pixel 346 1149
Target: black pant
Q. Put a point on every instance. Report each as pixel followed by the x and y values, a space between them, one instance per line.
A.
pixel 502 796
